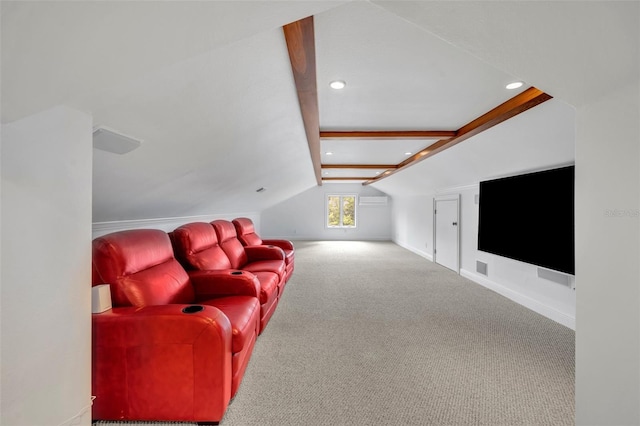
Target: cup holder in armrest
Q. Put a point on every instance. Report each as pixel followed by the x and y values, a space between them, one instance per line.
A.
pixel 192 309
pixel 236 273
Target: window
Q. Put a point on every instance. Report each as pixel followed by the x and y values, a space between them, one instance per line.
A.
pixel 341 211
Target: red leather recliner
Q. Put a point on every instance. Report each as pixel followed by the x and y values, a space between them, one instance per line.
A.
pixel 248 237
pixel 250 258
pixel 155 355
pixel 196 247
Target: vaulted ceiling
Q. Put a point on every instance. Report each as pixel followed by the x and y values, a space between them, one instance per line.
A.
pixel 209 88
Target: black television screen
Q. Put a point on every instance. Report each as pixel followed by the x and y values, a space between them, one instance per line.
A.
pixel 530 218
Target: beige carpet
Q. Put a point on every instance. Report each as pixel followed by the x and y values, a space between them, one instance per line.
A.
pixel 369 333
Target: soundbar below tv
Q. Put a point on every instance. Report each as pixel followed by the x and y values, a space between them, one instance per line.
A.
pixel 530 218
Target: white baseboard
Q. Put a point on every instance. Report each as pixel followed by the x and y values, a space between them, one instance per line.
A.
pixel 521 299
pixel 165 224
pixel 421 253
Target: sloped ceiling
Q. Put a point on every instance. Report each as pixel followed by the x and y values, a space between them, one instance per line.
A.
pixel 208 88
pixel 217 127
pixel 206 85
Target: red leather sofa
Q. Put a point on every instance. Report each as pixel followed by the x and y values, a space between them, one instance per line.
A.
pixel 156 356
pixel 247 235
pixel 196 247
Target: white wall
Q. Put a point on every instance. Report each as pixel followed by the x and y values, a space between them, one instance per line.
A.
pixel 166 224
pixel 303 217
pixel 46 259
pixel 413 224
pixel 607 260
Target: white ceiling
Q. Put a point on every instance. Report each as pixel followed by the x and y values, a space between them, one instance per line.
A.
pixel 399 77
pixel 208 87
pixel 370 151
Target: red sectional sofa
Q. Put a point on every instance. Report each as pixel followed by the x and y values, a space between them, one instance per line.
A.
pixel 156 355
pixel 247 235
pixel 196 246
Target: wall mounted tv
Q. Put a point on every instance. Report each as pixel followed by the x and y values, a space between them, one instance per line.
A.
pixel 530 218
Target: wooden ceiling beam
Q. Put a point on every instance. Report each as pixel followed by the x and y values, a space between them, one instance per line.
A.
pixel 300 40
pixel 514 106
pixel 359 166
pixel 386 134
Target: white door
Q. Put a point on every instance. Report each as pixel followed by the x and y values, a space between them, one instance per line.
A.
pixel 446 235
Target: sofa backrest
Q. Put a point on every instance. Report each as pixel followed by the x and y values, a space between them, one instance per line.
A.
pixel 229 242
pixel 246 232
pixel 196 247
pixel 140 268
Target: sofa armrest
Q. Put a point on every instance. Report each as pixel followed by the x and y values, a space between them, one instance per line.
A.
pixel 264 252
pixel 226 282
pixel 158 360
pixel 283 244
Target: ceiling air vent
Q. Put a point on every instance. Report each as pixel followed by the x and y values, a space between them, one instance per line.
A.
pixel 373 201
pixel 110 140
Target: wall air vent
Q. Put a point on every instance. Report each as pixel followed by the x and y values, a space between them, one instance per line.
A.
pixel 373 201
pixel 556 277
pixel 481 267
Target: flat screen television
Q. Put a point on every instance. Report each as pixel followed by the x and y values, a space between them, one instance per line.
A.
pixel 530 218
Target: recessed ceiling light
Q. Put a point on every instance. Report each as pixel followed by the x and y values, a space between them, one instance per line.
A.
pixel 337 84
pixel 326 173
pixel 514 85
pixel 329 153
pixel 407 153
